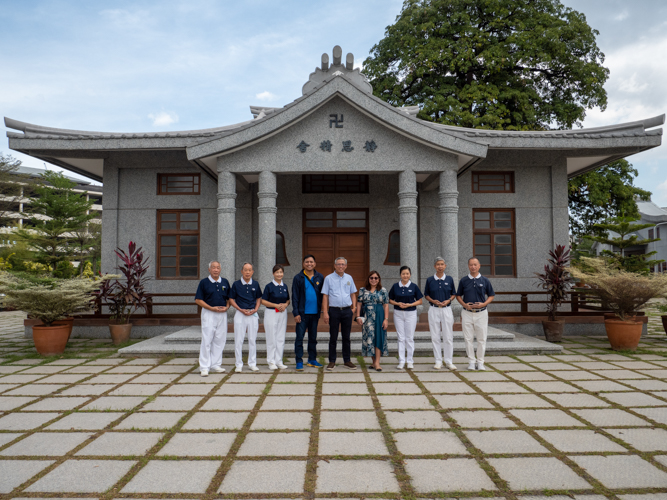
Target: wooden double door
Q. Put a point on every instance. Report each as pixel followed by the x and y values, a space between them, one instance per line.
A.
pixel 338 239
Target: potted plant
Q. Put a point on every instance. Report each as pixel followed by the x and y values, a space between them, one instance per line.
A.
pixel 49 300
pixel 557 281
pixel 623 292
pixel 125 295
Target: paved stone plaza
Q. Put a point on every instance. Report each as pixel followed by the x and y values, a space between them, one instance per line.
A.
pixel 92 425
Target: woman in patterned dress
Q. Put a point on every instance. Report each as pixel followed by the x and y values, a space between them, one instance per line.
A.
pixel 372 314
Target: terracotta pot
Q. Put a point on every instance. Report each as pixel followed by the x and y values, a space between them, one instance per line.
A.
pixel 120 333
pixel 623 334
pixel 50 340
pixel 67 321
pixel 553 330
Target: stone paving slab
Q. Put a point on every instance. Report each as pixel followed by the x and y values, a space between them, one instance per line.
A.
pixel 268 477
pixel 415 420
pixel 352 443
pixel 505 441
pixel 429 443
pixel 642 439
pixel 177 476
pixel 529 474
pixel 463 474
pixel 46 444
pixel 275 444
pixel 82 476
pixel 378 477
pixel 215 420
pixel 623 471
pixel 121 444
pixel 579 440
pixel 282 420
pixel 198 445
pixel 150 421
pixel 16 472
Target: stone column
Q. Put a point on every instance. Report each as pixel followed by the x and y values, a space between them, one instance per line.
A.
pixel 227 225
pixel 267 226
pixel 449 222
pixel 407 210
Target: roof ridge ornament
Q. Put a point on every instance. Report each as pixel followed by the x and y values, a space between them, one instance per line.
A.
pixel 347 71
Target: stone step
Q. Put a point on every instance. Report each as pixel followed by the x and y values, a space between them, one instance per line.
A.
pixel 192 335
pixel 521 344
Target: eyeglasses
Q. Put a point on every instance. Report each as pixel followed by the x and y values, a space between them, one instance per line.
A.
pixel 373 278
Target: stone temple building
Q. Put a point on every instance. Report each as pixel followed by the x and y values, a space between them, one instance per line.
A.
pixel 337 172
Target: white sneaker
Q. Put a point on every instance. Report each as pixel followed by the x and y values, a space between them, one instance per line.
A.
pixel 437 366
pixel 218 369
pixel 238 369
pixel 410 366
pixel 272 366
pixel 480 367
pixel 400 366
pixel 282 366
pixel 204 373
pixel 450 366
pixel 471 365
pixel 254 369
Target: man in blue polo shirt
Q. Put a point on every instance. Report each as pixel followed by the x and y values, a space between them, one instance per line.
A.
pixel 474 294
pixel 211 296
pixel 339 300
pixel 440 293
pixel 306 308
pixel 246 296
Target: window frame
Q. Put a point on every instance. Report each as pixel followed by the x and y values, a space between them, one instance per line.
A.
pixel 492 172
pixel 386 259
pixel 334 221
pixel 194 175
pixel 286 263
pixel 493 231
pixel 304 181
pixel 176 232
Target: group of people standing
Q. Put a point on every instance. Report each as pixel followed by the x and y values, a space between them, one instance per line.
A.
pixel 337 301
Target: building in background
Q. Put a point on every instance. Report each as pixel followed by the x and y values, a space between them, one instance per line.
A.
pixel 650 213
pixel 337 172
pixel 94 192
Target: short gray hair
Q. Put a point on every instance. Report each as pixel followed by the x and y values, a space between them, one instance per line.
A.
pixel 438 259
pixel 340 258
pixel 247 264
pixel 214 262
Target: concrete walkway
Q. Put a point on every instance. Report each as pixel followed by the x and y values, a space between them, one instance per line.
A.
pixel 92 425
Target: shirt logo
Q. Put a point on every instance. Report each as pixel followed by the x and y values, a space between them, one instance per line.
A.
pixel 317 282
pixel 348 283
pixel 253 289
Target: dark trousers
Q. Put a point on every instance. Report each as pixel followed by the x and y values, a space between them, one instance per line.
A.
pixel 308 322
pixel 339 318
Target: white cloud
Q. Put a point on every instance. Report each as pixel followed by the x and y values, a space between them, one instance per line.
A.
pixel 266 96
pixel 660 194
pixel 622 16
pixel 163 119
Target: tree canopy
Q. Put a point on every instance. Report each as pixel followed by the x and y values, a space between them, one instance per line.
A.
pixel 495 64
pixel 601 194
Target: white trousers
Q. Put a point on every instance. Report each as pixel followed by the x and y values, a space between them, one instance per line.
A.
pixel 213 339
pixel 475 325
pixel 441 324
pixel 243 324
pixel 405 323
pixel 275 326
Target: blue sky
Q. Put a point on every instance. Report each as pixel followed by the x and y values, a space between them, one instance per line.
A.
pixel 177 65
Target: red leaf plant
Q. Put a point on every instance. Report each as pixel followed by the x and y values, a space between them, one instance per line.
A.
pixel 126 295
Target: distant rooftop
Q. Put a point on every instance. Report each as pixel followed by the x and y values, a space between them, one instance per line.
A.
pixel 37 172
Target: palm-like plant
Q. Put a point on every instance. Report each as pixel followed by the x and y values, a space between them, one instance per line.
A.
pixel 556 279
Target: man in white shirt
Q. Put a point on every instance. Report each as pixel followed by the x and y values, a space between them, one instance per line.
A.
pixel 339 300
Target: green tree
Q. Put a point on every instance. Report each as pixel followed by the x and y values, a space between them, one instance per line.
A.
pixel 602 194
pixel 618 233
pixel 495 64
pixel 13 187
pixel 55 214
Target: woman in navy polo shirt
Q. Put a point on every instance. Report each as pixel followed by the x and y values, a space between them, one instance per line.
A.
pixel 405 297
pixel 276 299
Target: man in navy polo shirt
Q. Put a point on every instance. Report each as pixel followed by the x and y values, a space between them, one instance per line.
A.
pixel 211 296
pixel 306 308
pixel 474 294
pixel 245 296
pixel 440 293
